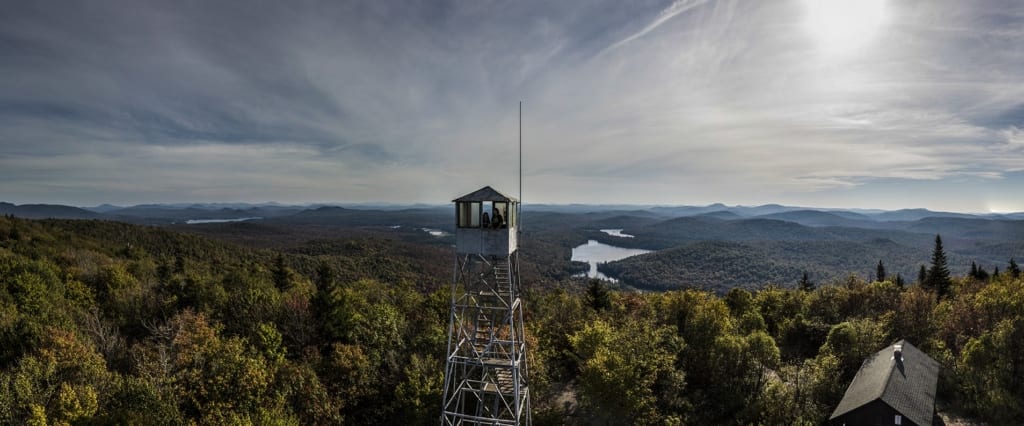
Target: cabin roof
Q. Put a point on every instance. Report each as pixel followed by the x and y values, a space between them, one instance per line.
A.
pixel 908 386
pixel 484 194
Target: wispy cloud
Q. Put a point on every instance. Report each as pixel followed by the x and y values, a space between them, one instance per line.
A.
pixel 683 101
pixel 677 7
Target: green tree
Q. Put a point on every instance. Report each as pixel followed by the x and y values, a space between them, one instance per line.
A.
pixel 993 367
pixel 597 295
pixel 63 381
pixel 739 301
pixel 14 233
pixel 778 306
pixel 764 357
pixel 805 283
pixel 558 315
pixel 349 375
pixel 922 275
pixel 979 273
pixel 1013 269
pixel 628 373
pixel 366 313
pixel 744 311
pixel 912 319
pixel 219 380
pixel 851 342
pixel 418 396
pixel 899 281
pixel 326 278
pixel 938 275
pixel 142 400
pixel 282 273
pixel 307 395
pixel 880 272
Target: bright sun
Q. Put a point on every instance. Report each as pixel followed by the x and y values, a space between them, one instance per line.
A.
pixel 843 26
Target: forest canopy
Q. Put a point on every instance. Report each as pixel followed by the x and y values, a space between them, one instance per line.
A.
pixel 105 322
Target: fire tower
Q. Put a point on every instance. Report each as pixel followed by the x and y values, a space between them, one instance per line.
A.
pixel 485 376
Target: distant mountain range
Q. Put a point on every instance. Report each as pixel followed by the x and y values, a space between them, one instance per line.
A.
pixel 714 247
pixel 162 213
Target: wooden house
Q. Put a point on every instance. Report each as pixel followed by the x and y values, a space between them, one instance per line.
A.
pixel 895 386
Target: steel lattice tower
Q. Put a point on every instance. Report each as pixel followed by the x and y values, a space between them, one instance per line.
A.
pixel 486 380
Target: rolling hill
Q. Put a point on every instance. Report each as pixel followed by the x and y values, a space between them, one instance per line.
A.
pixel 46 211
pixel 721 265
pixel 820 218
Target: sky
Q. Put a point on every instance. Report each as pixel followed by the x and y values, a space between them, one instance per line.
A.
pixel 831 103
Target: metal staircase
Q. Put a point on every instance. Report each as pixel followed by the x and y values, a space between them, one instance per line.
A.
pixel 485 373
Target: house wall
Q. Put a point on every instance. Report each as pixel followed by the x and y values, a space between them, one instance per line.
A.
pixel 875 413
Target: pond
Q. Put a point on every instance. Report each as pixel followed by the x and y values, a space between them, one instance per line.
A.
pixel 594 252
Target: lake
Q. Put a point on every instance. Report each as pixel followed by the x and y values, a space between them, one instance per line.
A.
pixel 594 252
pixel 435 232
pixel 202 221
pixel 616 233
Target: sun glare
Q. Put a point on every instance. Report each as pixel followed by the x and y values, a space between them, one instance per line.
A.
pixel 843 26
pixel 998 207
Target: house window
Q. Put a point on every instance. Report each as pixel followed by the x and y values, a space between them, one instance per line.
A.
pixel 899 419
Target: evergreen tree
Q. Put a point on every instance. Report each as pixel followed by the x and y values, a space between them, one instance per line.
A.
pixel 282 273
pixel 937 278
pixel 179 264
pixel 899 281
pixel 1014 270
pixel 597 295
pixel 806 284
pixel 880 272
pixel 163 271
pixel 326 278
pixel 921 275
pixel 982 274
pixel 974 270
pixel 995 273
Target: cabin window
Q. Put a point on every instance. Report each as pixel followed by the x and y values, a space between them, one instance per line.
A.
pixel 476 214
pixel 487 215
pixel 468 215
pixel 899 419
pixel 500 209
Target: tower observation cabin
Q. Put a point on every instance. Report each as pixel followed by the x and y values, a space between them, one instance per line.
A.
pixel 487 222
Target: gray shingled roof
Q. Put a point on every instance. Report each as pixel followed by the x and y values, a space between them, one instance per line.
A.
pixel 484 194
pixel 907 386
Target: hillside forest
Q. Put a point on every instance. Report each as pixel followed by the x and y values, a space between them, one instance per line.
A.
pixel 105 322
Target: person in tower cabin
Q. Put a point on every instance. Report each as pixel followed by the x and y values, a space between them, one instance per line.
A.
pixel 486 221
pixel 497 218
